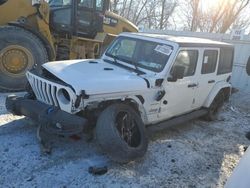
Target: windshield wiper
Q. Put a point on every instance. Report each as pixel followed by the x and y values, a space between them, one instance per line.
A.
pixel 137 69
pixel 115 62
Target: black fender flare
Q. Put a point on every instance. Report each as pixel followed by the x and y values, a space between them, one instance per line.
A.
pixel 49 48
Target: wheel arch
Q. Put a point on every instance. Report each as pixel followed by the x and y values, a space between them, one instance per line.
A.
pixel 133 101
pixel 50 49
pixel 224 87
pixel 136 103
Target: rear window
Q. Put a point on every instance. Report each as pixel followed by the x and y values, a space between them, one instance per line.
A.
pixel 209 61
pixel 226 60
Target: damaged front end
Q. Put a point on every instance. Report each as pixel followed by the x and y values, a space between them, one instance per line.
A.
pixel 51 103
pixel 53 91
pixel 50 118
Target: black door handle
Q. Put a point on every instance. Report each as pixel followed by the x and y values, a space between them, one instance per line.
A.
pixel 192 85
pixel 211 81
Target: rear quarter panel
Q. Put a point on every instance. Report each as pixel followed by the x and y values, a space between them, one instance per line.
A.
pixel 216 89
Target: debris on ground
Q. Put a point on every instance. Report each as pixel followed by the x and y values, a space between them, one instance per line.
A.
pixel 98 170
pixel 248 135
pixel 245 148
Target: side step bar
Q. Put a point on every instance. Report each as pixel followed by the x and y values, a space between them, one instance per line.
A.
pixel 177 120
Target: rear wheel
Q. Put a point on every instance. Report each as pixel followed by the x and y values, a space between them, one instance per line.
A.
pixel 20 51
pixel 121 133
pixel 215 107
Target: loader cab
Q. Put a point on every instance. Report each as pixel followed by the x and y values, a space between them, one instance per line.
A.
pixel 83 18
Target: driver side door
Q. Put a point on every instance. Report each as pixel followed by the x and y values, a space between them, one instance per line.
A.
pixel 180 94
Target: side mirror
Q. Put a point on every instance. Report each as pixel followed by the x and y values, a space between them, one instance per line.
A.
pixel 177 73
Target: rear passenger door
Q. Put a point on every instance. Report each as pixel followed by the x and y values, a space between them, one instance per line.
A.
pixel 207 76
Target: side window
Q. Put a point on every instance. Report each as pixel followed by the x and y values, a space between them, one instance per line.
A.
pixel 99 5
pixel 209 61
pixel 86 3
pixel 248 67
pixel 226 60
pixel 187 59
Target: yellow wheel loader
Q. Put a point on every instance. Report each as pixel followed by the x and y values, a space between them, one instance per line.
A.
pixel 33 32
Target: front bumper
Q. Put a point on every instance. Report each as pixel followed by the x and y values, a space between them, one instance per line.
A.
pixel 53 119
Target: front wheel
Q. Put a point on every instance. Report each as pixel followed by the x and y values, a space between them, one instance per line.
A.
pixel 121 133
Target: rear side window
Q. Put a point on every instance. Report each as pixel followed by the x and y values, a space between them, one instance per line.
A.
pixel 187 59
pixel 226 60
pixel 209 61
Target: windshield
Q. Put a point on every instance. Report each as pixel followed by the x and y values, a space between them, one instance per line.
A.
pixel 141 53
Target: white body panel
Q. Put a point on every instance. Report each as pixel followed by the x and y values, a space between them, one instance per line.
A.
pixel 240 177
pixel 91 82
pixel 92 77
pixel 205 82
pixel 240 79
pixel 179 98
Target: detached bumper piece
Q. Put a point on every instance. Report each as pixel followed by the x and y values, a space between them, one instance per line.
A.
pixel 50 118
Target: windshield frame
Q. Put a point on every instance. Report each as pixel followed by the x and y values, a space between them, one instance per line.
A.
pixel 131 62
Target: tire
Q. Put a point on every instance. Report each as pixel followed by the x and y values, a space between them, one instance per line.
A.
pixel 109 133
pixel 20 51
pixel 215 107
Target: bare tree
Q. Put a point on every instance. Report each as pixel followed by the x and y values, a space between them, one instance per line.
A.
pixel 162 13
pixel 150 13
pixel 217 18
pixel 167 10
pixel 114 5
pixel 195 15
pixel 158 14
pixel 217 15
pixel 232 12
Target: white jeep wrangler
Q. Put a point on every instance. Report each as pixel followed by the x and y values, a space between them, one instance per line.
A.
pixel 141 81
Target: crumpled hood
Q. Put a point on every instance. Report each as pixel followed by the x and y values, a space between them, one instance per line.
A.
pixel 96 78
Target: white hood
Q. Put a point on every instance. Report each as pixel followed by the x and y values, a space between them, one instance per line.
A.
pixel 93 78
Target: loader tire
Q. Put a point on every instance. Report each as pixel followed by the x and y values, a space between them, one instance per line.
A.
pixel 20 51
pixel 121 133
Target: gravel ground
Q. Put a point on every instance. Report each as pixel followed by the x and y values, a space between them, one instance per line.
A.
pixel 195 154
